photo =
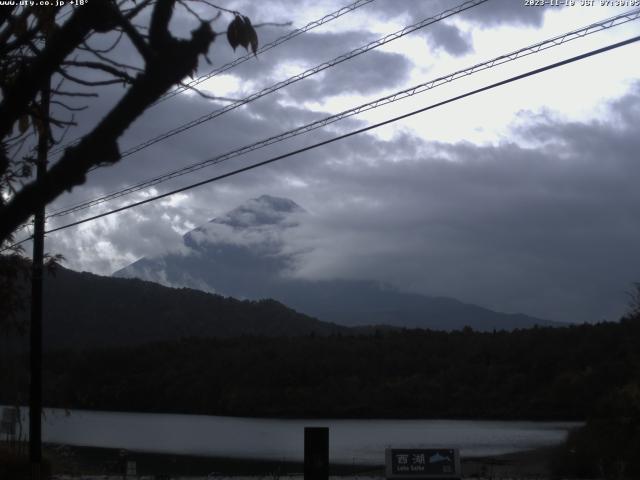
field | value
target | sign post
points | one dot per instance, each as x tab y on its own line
423	463
316	453
9	421
131	468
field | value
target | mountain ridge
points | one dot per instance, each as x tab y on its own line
244	254
84	310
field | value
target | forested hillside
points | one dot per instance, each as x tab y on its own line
83	310
541	373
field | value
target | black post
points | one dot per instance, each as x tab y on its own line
316	453
35	393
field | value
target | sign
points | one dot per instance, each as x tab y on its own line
427	463
9	420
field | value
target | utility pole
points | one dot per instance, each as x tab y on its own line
35	364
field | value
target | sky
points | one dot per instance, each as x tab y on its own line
520	199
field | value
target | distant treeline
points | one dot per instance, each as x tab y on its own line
540	373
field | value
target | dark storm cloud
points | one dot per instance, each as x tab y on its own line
508	12
363	75
316	47
374	70
449	38
550	231
489	14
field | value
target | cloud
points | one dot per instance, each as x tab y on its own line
490	14
550	230
369	73
544	222
450	39
508	12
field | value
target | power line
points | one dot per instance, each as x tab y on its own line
355	132
342	58
310	26
341	137
312	71
289	36
400	95
307	73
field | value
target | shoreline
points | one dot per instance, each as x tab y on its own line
72	460
320	418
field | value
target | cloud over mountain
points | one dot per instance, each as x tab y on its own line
250	252
523	199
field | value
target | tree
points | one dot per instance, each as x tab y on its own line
38	43
634	303
41	47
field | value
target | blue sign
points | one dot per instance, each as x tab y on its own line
428	463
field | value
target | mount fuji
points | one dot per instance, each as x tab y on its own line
245	254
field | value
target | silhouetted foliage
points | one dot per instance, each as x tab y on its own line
14	272
542	373
241	32
39	43
42	45
608	446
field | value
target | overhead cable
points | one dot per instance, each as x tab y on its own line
307	73
352	133
228	66
309	26
400	95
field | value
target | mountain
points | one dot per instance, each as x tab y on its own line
87	310
245	254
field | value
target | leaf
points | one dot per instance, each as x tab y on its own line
243	38
241	32
23	123
233	32
252	35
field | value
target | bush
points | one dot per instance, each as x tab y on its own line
609	444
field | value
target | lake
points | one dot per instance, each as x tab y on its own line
359	441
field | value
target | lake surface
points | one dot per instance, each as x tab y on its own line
359	441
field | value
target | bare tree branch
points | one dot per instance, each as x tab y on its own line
110	61
88	83
74	94
179	58
105	50
100	66
69	107
159	34
28	81
135	37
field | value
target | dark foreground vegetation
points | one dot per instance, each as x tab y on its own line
543	373
608	446
582	372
